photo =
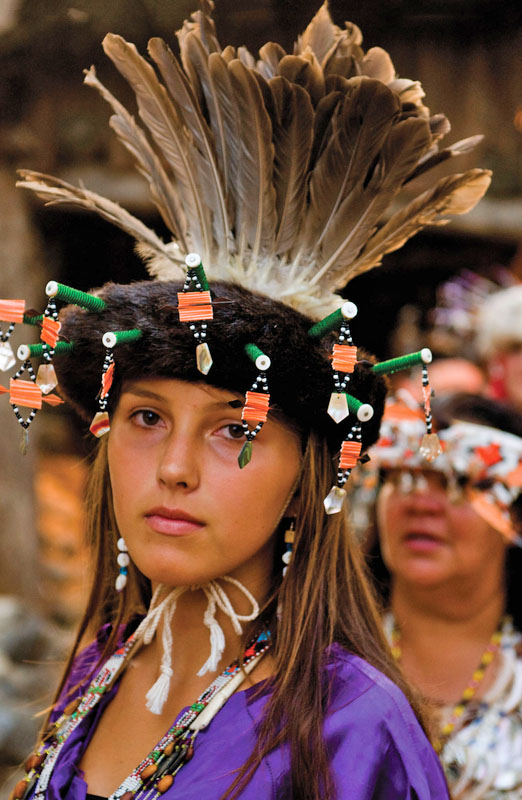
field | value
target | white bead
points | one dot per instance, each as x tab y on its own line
23	352
426	355
349	310
287	556
109	339
364	412
122	547
193	260
285	570
121	582
123	559
51	290
263	363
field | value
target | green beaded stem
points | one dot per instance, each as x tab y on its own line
253	352
127	336
32	320
89	301
397	364
353	404
202	278
36	350
330	323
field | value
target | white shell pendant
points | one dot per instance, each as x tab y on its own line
333	502
338	407
46	378
203	358
7	357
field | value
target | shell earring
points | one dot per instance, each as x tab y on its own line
289	544
123	563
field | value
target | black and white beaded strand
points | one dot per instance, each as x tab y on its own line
25	423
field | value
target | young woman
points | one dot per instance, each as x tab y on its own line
449	572
277	172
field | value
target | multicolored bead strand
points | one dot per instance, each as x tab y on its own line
156	773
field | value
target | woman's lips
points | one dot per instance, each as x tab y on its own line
423	542
172	522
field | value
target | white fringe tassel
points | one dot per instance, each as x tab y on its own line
217	598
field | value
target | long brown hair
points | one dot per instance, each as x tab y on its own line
325	598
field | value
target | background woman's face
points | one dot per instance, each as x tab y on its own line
185	509
427	540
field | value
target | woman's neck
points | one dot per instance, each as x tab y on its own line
443	635
191	636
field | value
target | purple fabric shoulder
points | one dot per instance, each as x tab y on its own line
376	745
376	748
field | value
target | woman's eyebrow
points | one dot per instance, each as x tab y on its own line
130	389
142	392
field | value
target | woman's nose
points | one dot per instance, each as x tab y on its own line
424	497
178	462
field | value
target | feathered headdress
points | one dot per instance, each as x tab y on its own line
279	171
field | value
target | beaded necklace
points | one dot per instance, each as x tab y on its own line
471	689
156	773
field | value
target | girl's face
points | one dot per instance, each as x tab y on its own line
427	539
186	510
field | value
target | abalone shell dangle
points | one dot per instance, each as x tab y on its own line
348	457
100	424
430	446
195	307
257	402
344	356
46	375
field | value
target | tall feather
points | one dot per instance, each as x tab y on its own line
200	61
456	194
360	128
306	72
320	36
133	138
457	149
189	111
292	136
56	191
362	209
253	165
269	57
279	171
158	113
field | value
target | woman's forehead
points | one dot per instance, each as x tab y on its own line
167	389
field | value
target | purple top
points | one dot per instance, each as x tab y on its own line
377	749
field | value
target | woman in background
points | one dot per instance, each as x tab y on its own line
446	563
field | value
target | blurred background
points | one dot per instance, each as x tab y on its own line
468	56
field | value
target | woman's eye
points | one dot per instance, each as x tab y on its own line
146	418
233	431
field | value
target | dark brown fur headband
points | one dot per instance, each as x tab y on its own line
300	377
